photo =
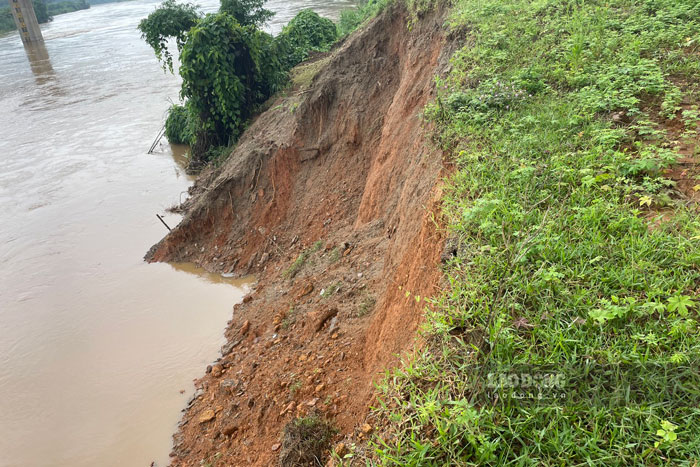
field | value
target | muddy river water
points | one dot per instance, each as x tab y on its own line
97	349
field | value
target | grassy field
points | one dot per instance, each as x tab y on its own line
568	333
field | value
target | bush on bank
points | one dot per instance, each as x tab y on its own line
228	65
227	71
307	32
179	127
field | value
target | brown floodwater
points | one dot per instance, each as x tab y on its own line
96	346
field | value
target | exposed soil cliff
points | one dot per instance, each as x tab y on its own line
330	199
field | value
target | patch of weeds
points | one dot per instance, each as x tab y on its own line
335	255
294	387
305	441
366	306
296	266
290	318
302	75
691	117
331	289
301	260
217	155
211	461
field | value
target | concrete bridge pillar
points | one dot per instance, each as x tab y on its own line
25	19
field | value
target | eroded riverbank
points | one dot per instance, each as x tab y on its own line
333	207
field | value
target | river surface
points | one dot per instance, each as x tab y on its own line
98	349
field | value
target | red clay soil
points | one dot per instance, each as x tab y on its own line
329	199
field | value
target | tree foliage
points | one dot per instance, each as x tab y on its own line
226	72
228	65
247	12
179	126
169	20
41	11
59	8
305	33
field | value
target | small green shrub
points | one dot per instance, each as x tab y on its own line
307	32
179	127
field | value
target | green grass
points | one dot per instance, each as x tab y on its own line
564	268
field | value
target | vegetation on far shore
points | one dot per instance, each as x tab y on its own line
568	330
44	10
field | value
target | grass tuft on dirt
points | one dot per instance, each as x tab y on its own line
568	334
305	440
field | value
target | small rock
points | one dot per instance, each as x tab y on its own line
245	328
312	402
275	446
247	299
229	430
333	326
229	385
306	290
206	416
334	335
323	316
216	370
208	369
367	428
341	449
290	408
320	388
228	348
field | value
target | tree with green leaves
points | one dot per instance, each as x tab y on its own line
228	65
41	11
247	12
226	73
305	33
169	20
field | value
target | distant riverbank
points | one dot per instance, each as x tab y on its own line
46	10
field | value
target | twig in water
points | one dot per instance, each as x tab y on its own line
166	225
161	133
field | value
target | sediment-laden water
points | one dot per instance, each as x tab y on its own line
97	347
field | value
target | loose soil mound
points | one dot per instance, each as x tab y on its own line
330	199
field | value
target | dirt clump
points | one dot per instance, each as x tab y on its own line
330	199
